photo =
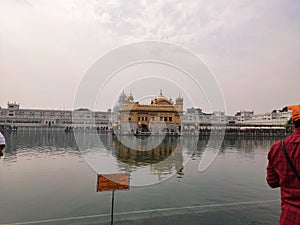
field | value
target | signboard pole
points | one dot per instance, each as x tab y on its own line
112	207
112	182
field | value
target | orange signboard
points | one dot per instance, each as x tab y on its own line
110	182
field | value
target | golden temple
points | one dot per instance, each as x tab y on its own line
160	116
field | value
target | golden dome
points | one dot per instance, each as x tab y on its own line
161	100
179	97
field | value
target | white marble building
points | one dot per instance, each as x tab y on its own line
13	115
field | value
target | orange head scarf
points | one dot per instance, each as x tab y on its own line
296	112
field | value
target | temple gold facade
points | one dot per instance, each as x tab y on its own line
161	115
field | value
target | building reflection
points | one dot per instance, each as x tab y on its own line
36	142
165	158
246	147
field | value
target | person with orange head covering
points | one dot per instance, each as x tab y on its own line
284	171
295	112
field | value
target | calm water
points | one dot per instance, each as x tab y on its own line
46	180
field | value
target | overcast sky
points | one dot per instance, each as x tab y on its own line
251	46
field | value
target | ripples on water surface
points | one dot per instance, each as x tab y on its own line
46	180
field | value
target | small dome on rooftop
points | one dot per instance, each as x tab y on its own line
161	100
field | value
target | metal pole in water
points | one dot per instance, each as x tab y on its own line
112	207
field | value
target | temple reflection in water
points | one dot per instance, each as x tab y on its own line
115	155
166	157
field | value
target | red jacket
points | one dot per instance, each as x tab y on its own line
280	174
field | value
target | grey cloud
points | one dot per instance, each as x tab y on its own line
252	46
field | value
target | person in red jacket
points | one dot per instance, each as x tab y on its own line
284	171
